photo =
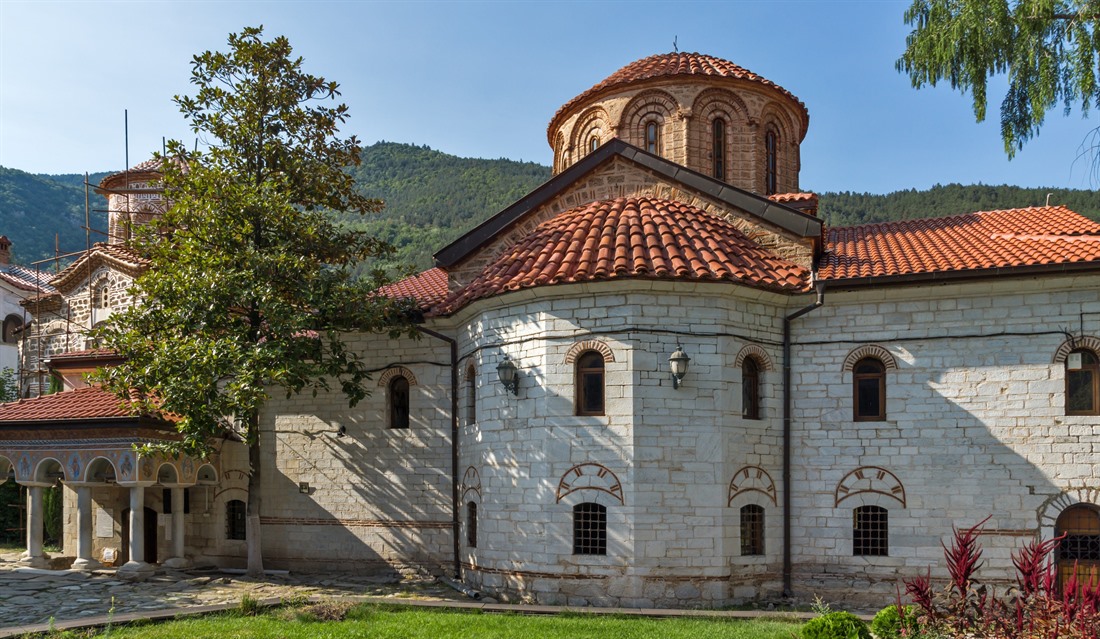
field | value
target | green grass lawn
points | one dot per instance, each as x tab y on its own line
371	622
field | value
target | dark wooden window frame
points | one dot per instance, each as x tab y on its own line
471	524
750	388
718	148
397	396
589	529
861	374
652	132
471	397
586	367
771	162
1091	368
235	527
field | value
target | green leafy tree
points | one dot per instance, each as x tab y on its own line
1047	48
249	288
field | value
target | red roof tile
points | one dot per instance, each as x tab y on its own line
121	254
672	64
793	197
631	238
992	239
427	288
90	402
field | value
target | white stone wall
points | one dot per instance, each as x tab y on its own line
673	537
378	498
975	427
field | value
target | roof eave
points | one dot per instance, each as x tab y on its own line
777	214
961	275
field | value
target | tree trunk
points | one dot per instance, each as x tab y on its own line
252	509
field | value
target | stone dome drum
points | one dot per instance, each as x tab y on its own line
699	111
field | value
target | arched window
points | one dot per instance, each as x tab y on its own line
870	532
101	296
471	397
11	325
1082	383
750	388
653	137
471	525
590	384
752	530
234	519
399	402
593	141
771	162
718	148
1080	550
589	529
869	390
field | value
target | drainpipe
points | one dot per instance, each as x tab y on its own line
787	433
454	444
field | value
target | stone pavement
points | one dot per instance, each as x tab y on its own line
30	596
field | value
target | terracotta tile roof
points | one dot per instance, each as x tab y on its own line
992	239
120	254
667	65
631	238
793	197
86	354
25	279
139	172
90	402
427	288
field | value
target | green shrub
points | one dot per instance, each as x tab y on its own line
836	625
888	623
249	606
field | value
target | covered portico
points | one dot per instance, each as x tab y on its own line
87	440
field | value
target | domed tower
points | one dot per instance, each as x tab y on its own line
133	197
701	112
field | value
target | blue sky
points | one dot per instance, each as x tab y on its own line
483	79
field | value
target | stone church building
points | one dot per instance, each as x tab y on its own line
656	380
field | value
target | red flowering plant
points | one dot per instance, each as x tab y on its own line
1037	607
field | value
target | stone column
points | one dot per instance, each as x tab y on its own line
178	558
84	559
136	569
34	557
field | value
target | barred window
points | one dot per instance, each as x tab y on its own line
234	519
471	397
1082	383
471	525
589	529
752	530
870	532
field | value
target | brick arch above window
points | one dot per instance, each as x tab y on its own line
1070	496
653	101
396	371
757	353
751	479
589	345
594	119
874	480
471	484
470	372
1075	343
710	103
870	350
589	478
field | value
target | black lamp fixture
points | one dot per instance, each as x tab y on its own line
509	375
678	364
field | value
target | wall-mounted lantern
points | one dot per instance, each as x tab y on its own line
509	375
678	365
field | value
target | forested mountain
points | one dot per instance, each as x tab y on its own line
432	198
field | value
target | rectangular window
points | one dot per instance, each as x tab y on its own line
1079	392
752	530
870	532
589	529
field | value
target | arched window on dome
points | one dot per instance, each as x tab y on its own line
653	137
771	162
593	140
718	148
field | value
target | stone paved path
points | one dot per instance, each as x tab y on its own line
30	596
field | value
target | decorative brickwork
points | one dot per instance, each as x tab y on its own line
759	354
869	479
590	476
471	483
751	479
1072	344
589	345
395	371
871	350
